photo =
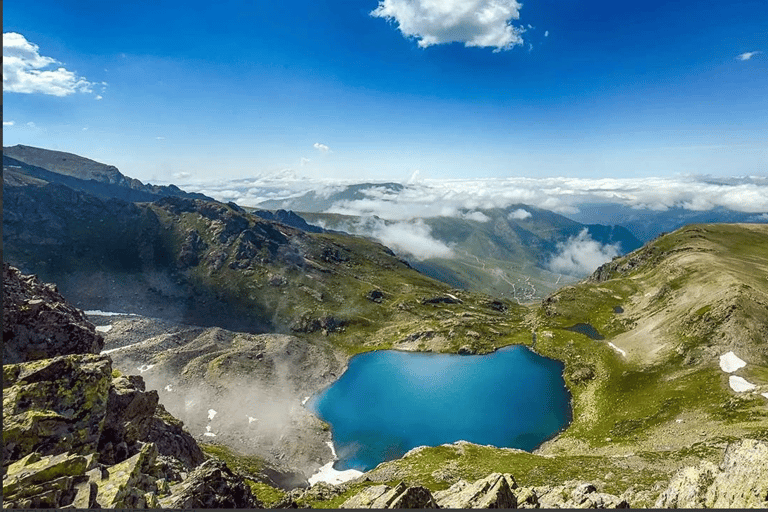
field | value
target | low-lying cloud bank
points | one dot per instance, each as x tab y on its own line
433	198
581	255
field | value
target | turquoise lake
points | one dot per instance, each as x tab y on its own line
388	402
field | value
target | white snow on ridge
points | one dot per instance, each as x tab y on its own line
104	328
740	385
104	313
730	362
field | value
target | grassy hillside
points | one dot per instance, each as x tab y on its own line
674	307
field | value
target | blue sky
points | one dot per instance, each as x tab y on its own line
170	91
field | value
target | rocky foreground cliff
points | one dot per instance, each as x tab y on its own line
77	433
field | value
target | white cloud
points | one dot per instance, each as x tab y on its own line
23	70
546	33
304	161
747	55
99	97
181	175
581	255
519	214
483	23
31	124
409	238
426	198
8	123
321	147
159	138
475	216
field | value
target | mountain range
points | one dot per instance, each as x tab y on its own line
663	348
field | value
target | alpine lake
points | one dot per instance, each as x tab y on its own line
388	402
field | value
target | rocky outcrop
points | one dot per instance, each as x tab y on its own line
38	323
211	485
577	495
384	496
741	481
493	491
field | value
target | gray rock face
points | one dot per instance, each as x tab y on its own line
741	481
38	323
493	491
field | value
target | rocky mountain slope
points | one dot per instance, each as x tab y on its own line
77	433
206	263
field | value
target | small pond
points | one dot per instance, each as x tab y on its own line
388	402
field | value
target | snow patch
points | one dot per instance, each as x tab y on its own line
104	328
730	362
109	351
104	313
208	432
617	349
765	395
333	476
145	367
740	385
251	419
211	414
306	398
168	388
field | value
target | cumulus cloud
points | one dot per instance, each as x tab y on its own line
407	238
580	255
747	55
519	214
24	70
321	147
8	123
475	216
304	161
411	238
482	23
546	33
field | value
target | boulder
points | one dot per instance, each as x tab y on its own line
55	405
